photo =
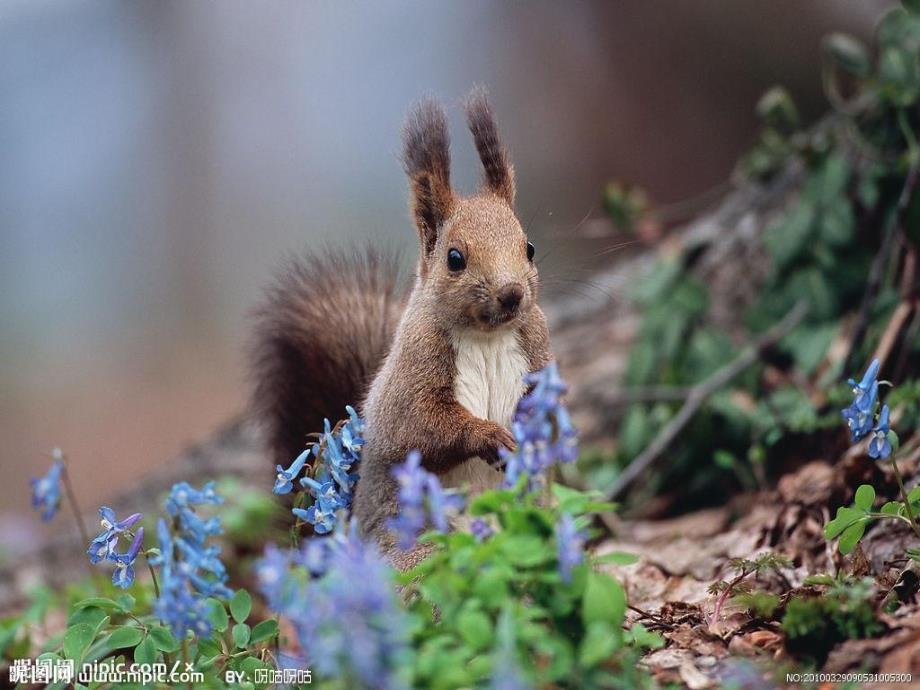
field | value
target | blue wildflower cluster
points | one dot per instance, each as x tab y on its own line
335	456
542	428
104	546
190	567
422	501
46	491
570	546
860	415
339	595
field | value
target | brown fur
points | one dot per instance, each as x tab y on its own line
322	333
328	324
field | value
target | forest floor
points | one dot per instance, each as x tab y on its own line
680	559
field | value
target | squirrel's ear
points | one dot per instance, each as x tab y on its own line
426	155
499	173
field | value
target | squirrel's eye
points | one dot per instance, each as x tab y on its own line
530	251
455	260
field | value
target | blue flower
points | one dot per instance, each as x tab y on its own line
879	445
46	491
506	671
190	567
272	576
570	544
183	495
421	501
542	428
103	546
481	529
124	562
332	479
314	556
284	481
323	521
348	620
860	413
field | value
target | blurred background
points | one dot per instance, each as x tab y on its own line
160	158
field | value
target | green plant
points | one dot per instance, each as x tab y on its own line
572	630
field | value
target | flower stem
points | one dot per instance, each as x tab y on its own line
74	505
910	511
185	660
78	515
153	574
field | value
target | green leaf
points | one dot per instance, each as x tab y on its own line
598	644
891	508
125	636
526	550
893	440
146	651
604	600
240	605
77	640
126	602
217	615
208	646
777	109
849	53
264	630
163	638
851	536
788	237
99	602
865	497
90	615
249	665
617	558
914	494
241	633
845	517
645	639
475	628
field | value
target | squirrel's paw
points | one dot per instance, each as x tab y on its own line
495	436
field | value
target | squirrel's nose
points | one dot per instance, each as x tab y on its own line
510	296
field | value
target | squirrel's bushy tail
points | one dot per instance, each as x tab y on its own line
323	330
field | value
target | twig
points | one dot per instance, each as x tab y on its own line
892	330
700	392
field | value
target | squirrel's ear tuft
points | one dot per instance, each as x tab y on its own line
499	173
426	156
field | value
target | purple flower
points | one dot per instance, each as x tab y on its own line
103	546
123	576
421	500
879	445
570	544
861	411
543	430
481	529
46	491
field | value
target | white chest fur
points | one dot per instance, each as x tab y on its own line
489	383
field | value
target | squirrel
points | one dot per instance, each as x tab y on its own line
440	370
